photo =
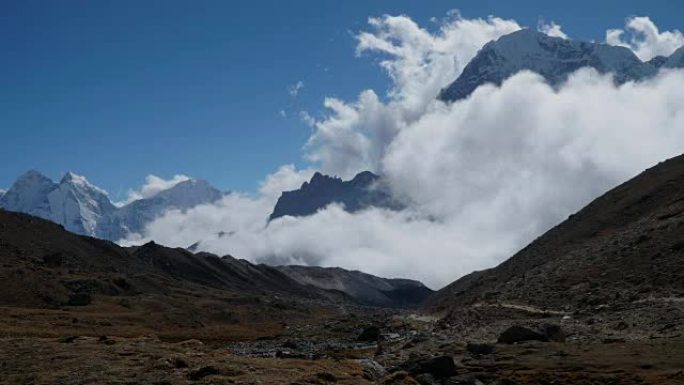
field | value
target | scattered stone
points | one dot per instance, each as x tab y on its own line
202	372
372	370
517	333
480	349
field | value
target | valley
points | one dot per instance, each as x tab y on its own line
182	283
153	314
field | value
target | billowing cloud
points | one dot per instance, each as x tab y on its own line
419	63
153	185
642	36
482	176
552	29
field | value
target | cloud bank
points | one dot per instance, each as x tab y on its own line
483	176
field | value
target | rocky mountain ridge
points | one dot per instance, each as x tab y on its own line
619	259
363	191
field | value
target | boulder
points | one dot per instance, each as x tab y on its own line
517	333
370	334
425	379
553	332
372	370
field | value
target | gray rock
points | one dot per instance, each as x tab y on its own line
517	333
372	370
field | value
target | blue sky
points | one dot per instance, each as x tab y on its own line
119	90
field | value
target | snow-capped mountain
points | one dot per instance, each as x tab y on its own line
84	208
78	205
133	217
29	194
73	202
552	57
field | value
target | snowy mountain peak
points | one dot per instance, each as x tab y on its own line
552	57
81	182
83	208
29	194
78	205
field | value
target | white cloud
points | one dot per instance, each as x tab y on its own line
419	64
307	118
552	29
483	176
642	36
153	185
285	179
294	89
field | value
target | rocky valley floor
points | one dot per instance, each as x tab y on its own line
345	346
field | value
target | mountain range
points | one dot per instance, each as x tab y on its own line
86	209
554	58
83	208
598	299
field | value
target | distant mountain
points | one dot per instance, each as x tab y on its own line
363	191
85	209
553	58
133	217
625	250
97	267
55	265
29	194
73	202
364	288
